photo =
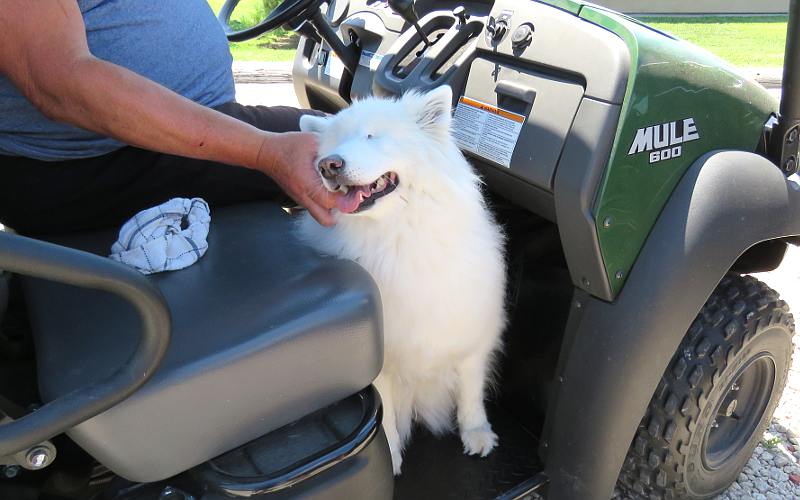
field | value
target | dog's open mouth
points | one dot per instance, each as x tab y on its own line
359	198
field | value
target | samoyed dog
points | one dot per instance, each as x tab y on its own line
413	215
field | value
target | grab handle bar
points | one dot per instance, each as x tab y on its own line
39	259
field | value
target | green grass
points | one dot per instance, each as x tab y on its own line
276	45
253	52
756	41
772	442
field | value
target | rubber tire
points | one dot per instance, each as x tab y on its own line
742	318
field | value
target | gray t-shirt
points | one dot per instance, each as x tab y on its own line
177	43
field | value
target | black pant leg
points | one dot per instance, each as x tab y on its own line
271	118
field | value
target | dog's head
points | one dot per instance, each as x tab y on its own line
377	152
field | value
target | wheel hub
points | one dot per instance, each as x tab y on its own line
739	411
730	409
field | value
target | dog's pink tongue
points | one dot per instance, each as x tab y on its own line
350	202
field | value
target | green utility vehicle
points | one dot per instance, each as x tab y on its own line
639	180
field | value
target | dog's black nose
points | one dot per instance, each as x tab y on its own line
329	165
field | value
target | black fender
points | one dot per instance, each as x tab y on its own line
614	353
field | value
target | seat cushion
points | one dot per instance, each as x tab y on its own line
264	331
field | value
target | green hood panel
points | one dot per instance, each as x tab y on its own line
568	5
671	81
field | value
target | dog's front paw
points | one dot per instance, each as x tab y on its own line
397	462
397	455
479	441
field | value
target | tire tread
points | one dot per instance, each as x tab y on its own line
737	311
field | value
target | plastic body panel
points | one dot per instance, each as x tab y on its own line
548	117
367	476
427	73
378	30
264	331
614	353
670	81
374	38
579	172
87	273
340	448
313	86
563	44
572	6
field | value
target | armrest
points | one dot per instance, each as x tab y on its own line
48	261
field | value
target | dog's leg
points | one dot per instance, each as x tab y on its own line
476	433
403	401
384	385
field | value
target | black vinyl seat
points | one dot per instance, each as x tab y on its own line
264	331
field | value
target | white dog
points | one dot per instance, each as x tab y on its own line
414	217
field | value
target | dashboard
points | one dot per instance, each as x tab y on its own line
526	78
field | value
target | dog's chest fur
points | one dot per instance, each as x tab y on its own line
439	268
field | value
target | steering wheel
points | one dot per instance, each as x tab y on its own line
287	11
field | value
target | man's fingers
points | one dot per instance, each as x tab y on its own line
318	192
321	215
325	198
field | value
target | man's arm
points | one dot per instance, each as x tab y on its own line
44	52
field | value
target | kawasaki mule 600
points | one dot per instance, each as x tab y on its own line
638	179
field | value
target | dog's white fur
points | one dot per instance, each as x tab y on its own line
436	254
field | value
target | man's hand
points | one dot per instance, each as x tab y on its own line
55	70
291	162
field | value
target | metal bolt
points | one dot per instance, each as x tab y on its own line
11	471
578	304
792	136
607	222
560	379
731	408
790	165
39	457
735	387
619	275
714	424
586	282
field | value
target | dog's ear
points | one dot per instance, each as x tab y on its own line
312	123
434	110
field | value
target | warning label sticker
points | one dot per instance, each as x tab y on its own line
486	131
370	59
334	67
